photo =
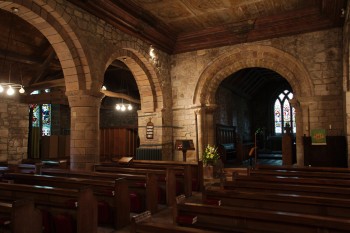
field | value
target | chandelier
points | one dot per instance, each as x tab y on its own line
9	86
122	107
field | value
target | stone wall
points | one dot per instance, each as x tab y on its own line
318	52
14	118
86	46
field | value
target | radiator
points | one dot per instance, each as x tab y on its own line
148	154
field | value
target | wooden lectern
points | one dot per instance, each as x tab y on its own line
184	145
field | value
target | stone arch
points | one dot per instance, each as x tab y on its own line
51	21
247	56
146	77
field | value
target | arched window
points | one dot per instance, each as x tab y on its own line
284	113
41	116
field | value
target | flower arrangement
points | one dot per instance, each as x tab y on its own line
210	155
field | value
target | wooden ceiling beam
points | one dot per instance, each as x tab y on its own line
46	98
121	96
128	20
46	85
44	67
15	57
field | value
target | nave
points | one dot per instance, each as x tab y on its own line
263	198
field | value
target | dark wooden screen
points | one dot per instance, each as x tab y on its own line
117	143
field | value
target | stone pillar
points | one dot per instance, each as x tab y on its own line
303	128
210	126
199	134
85	131
347	122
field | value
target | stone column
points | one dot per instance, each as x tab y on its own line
199	134
210	126
85	130
347	122
306	123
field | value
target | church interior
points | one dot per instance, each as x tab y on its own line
174	115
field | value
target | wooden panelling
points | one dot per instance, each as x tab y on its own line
117	143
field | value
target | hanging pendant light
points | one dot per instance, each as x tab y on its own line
11	87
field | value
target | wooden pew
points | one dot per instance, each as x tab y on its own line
298	189
116	192
300	173
142	223
226	219
191	170
22	216
325	206
302	168
168	176
145	182
183	172
80	203
294	180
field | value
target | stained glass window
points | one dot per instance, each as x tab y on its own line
284	113
41	116
46	119
278	118
36	115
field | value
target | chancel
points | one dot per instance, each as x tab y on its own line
107	108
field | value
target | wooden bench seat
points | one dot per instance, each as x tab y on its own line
294	180
292	188
302	168
20	216
115	193
183	171
193	169
309	174
324	206
144	183
168	176
224	218
142	223
79	204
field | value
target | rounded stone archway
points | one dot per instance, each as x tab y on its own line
146	78
151	88
64	41
58	28
247	56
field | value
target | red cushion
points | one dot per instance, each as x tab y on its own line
212	202
104	213
136	203
47	221
72	204
161	195
140	184
195	185
64	223
186	219
179	187
162	178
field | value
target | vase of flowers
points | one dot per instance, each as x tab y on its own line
210	157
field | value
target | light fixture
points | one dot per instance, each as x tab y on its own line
123	107
154	58
11	87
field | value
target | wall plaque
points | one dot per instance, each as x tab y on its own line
149	130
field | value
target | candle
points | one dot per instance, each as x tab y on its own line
330	126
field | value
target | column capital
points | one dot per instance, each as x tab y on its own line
84	98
